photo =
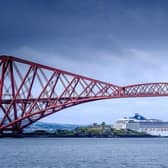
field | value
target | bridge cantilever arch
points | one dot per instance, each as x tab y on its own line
30	91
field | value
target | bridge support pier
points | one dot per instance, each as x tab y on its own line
1	133
17	133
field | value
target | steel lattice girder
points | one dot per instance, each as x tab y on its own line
31	91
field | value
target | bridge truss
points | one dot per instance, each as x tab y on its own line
30	91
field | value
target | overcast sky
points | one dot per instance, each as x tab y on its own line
119	41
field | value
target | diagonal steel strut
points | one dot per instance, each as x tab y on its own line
30	91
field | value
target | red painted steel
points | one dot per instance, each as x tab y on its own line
30	91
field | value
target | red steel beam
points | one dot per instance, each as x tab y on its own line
30	91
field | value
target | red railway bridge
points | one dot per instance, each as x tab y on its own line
30	91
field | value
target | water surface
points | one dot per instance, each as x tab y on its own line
83	153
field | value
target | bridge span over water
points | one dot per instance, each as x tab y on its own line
30	91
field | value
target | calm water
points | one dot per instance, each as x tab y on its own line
83	153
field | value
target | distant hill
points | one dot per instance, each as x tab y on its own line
50	127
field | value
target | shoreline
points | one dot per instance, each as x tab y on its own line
61	136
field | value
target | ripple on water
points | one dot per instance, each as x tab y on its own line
84	153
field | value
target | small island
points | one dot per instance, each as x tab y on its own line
92	131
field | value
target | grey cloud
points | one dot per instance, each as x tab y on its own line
63	25
118	41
